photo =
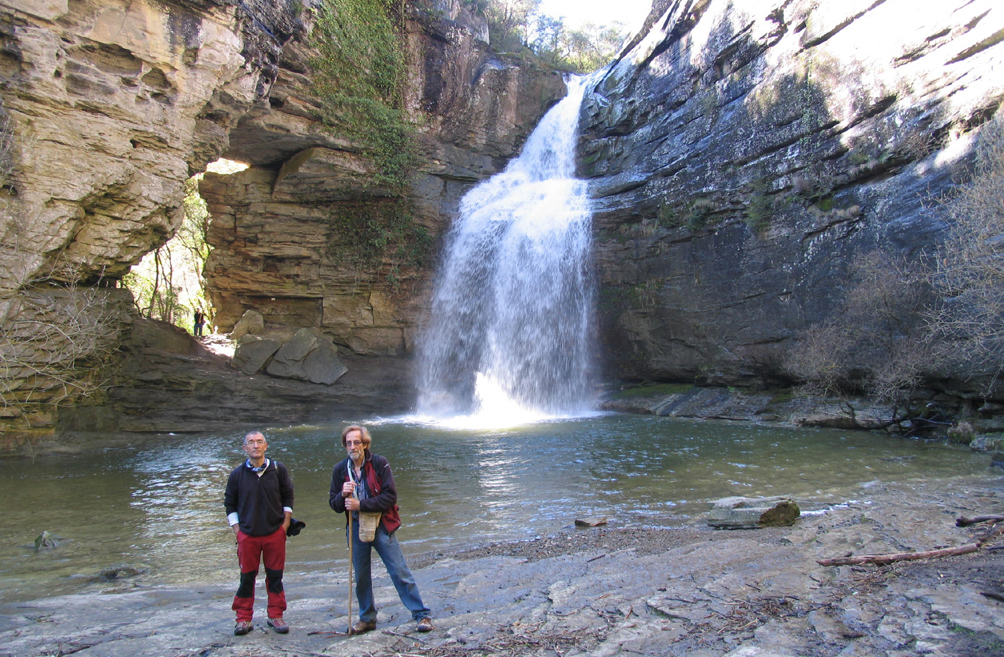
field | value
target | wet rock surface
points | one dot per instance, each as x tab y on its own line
168	381
687	590
743	156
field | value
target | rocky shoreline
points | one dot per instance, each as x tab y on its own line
984	427
687	590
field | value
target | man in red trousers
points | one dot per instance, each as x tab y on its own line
259	504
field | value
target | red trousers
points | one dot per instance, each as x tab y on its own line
251	550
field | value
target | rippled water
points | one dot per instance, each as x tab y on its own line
160	506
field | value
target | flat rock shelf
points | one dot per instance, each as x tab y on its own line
607	590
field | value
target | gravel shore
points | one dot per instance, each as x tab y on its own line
609	591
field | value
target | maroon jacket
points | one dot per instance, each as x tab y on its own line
379	481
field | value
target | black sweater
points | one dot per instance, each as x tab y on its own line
258	501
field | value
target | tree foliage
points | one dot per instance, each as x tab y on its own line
969	264
876	344
519	26
168	284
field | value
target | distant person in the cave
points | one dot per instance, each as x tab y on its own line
363	484
259	504
200	320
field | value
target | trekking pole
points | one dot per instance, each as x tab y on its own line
348	515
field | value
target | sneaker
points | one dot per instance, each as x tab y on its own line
278	625
242	628
425	624
362	627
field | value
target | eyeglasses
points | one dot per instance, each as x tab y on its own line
350	443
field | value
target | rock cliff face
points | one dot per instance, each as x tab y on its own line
292	233
108	108
744	156
114	105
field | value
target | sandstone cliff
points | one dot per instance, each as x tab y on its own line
744	156
114	105
108	108
299	236
743	159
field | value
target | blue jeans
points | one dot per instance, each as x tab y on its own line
390	552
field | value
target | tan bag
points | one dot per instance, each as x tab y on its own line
368	523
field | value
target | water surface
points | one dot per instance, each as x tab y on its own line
159	506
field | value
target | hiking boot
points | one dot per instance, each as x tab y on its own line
362	627
278	625
242	628
425	624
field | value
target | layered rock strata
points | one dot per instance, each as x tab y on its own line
745	157
294	234
167	381
108	108
114	105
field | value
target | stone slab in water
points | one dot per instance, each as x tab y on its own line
750	513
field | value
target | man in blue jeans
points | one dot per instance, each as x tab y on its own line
363	482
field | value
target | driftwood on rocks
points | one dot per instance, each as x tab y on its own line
963	521
884	559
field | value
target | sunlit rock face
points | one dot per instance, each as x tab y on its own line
289	231
114	104
744	155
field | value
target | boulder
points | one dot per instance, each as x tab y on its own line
253	352
594	521
322	364
753	512
288	361
251	322
308	356
113	573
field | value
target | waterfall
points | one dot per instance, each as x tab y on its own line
510	328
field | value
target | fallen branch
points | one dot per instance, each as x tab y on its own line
883	559
963	521
990	535
329	633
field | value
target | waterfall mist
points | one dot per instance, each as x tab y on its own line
511	323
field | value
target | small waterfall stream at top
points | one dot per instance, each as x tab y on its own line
511	322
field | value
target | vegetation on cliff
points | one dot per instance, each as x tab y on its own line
167	284
358	75
968	273
54	336
519	26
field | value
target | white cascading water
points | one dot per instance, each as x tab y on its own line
511	320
